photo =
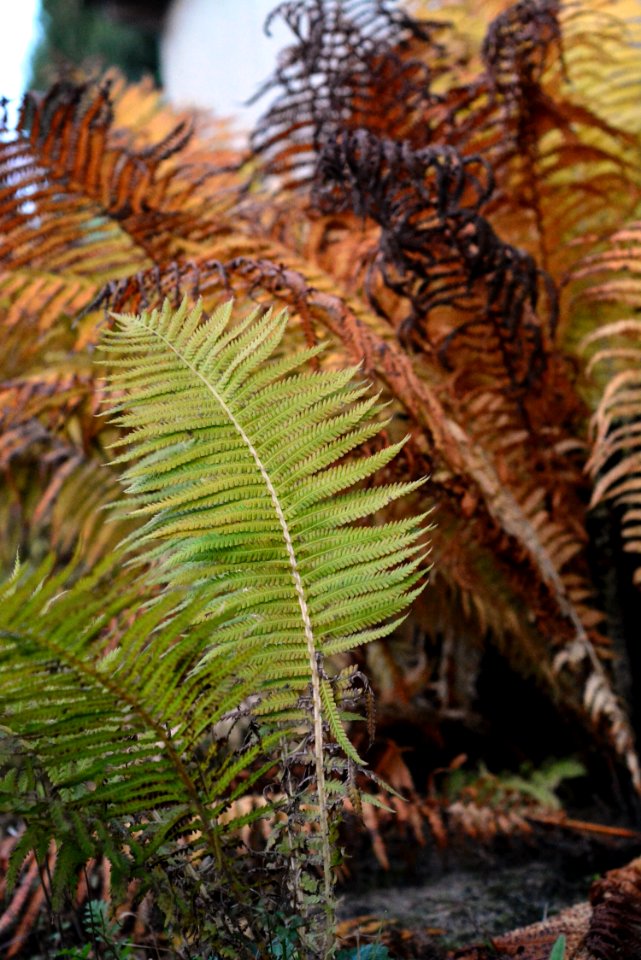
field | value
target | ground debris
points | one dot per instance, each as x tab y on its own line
608	927
605	927
535	942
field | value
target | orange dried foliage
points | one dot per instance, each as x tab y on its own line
417	214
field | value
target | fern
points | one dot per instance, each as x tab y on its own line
515	155
454	224
115	184
480	377
614	354
252	568
615	463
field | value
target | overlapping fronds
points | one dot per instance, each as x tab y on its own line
484	591
467	575
472	806
351	65
548	143
471	293
64	166
96	182
515	103
434	250
102	718
438	187
455	230
57	652
113	696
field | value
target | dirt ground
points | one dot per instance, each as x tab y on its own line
467	896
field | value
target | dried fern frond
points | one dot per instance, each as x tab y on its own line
64	166
548	144
436	250
615	462
352	65
514	103
559	169
92	175
601	58
608	285
605	928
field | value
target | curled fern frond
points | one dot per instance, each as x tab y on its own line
437	250
517	46
351	64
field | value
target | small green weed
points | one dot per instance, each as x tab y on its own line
558	950
103	936
371	951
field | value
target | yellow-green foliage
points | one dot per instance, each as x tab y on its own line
252	566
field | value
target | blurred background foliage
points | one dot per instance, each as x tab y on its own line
92	35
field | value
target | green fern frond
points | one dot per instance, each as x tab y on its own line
243	472
252	566
243	465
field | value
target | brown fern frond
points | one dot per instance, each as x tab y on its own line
79	195
47	439
97	181
436	250
23	912
606	928
615	925
517	46
520	111
546	129
536	941
485	808
352	65
609	282
615	463
32	304
602	61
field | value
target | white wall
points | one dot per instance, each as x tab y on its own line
215	54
